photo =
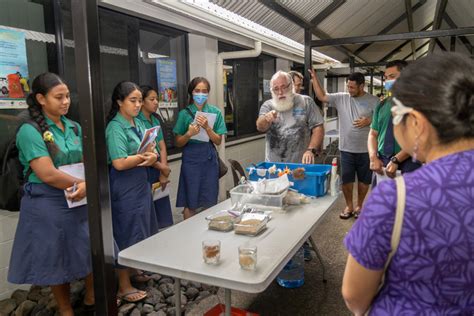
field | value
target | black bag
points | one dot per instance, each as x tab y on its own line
11	174
222	166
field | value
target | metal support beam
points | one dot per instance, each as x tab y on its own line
283	11
440	44
410	24
85	23
326	12
418	49
452	46
399	47
453	25
439	12
393	37
394	23
59	36
307	60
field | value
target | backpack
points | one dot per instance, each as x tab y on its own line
11	173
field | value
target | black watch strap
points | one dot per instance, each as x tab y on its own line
394	159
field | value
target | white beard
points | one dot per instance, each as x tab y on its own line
283	104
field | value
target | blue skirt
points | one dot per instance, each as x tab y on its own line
199	177
163	210
51	243
133	215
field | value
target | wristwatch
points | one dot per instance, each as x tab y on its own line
313	150
395	160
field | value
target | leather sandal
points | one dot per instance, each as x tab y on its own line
346	214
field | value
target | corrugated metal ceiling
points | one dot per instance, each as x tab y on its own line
355	18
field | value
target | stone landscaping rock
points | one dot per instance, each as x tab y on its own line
166	280
155	277
39	301
167	289
192	292
25	308
7	306
19	296
135	312
203	295
147	308
125	309
154	296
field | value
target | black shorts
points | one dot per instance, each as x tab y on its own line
352	163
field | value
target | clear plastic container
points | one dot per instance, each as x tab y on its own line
222	221
251	224
242	194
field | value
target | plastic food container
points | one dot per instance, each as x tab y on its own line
222	221
314	183
251	224
241	194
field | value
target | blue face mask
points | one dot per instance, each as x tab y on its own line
200	98
388	84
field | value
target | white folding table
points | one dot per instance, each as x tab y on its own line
177	251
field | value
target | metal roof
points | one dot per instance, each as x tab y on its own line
348	18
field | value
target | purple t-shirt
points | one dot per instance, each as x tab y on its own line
432	272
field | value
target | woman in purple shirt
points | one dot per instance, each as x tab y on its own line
432	271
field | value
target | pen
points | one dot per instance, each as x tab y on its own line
74	187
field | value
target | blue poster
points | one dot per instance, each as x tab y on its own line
13	70
167	83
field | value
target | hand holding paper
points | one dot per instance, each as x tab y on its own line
76	198
210	119
148	138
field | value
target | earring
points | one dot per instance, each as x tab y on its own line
415	151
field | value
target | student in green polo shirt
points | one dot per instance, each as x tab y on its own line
199	177
51	245
160	171
384	151
133	214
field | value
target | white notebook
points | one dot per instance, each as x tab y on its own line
77	171
211	119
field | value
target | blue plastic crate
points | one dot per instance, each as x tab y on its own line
316	179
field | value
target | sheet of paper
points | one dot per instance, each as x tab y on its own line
160	193
384	177
149	137
77	171
211	119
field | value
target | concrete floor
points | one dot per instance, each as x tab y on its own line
314	297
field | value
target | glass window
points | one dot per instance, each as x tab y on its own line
246	87
25	16
162	61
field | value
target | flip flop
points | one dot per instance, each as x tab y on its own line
346	215
357	213
127	297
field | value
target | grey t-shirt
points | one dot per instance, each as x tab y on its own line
349	109
289	135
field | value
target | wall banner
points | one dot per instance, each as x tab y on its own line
13	70
167	83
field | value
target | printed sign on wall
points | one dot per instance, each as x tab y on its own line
13	70
167	83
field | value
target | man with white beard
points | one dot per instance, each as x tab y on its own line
293	123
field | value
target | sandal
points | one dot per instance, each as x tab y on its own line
357	213
128	297
140	277
346	214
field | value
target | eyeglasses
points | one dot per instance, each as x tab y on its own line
283	89
398	111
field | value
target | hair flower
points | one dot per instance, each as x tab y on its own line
399	110
48	137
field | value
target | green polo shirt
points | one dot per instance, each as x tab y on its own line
380	119
149	124
31	145
121	140
184	119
